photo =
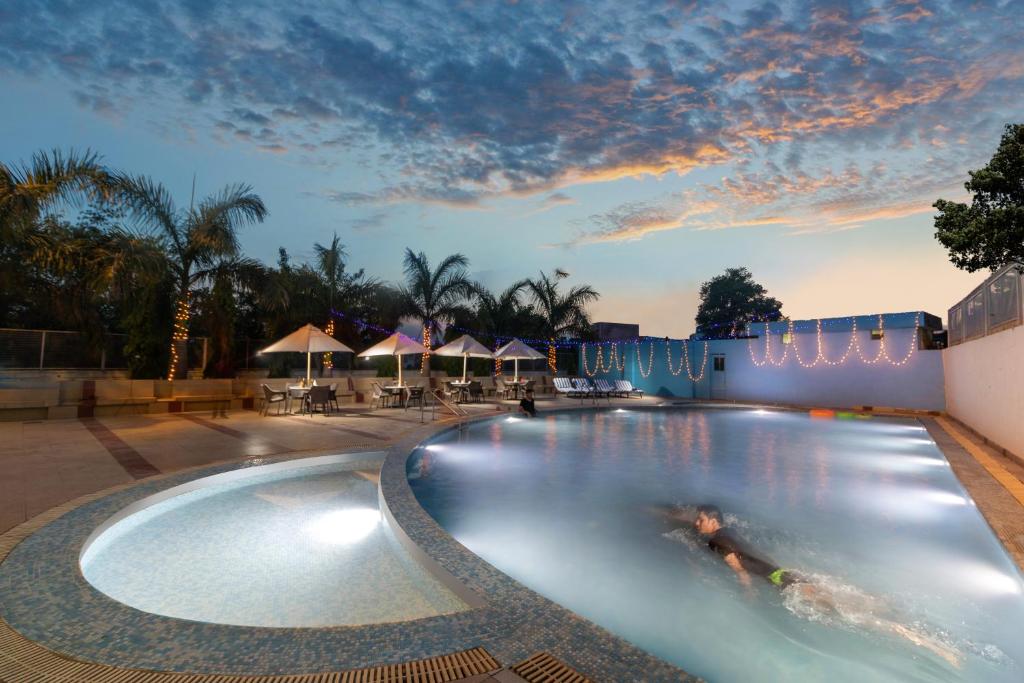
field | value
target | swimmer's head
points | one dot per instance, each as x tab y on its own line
709	519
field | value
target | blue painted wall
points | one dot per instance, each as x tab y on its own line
917	383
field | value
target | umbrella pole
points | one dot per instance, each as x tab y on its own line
309	365
516	379
465	358
399	359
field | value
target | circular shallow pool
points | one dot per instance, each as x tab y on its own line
300	543
584	508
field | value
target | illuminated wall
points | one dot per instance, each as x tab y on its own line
985	384
851	370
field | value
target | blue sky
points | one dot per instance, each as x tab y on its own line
643	147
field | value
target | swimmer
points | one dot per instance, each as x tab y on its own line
746	563
527	406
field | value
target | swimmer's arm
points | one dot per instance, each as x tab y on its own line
733	560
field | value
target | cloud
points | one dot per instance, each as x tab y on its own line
461	103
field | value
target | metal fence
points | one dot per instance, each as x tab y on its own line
57	350
61	350
997	304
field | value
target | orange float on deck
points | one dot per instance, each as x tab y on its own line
823	412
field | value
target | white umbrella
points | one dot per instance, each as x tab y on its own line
464	346
396	345
308	340
515	350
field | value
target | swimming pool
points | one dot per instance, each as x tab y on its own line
296	544
572	506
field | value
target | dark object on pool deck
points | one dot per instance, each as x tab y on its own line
542	667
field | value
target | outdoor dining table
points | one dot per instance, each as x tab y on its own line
516	386
463	388
295	391
399	390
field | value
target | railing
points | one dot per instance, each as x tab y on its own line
57	350
993	306
63	350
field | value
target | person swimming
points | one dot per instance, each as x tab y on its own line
855	607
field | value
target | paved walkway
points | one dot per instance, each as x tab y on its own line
47	463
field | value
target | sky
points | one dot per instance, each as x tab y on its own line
643	147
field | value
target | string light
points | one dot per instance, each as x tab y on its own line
703	363
425	360
180	334
650	361
329	357
498	361
820	358
552	357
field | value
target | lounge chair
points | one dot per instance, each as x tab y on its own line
604	387
272	396
627	388
564	386
582	387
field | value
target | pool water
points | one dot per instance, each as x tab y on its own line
573	505
290	548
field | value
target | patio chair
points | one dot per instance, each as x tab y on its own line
500	388
476	391
530	383
415	396
380	397
272	396
450	392
319	395
333	397
625	386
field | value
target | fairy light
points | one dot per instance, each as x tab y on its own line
180	334
552	357
618	361
426	344
650	361
703	362
853	346
329	357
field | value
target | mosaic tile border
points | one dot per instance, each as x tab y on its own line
508	619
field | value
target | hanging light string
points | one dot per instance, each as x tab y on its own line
703	362
820	358
180	334
650	361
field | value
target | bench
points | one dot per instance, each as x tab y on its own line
114	395
28	403
198	394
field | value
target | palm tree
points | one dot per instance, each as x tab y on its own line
499	315
196	240
561	314
50	179
435	296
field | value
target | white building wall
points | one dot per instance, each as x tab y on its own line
985	386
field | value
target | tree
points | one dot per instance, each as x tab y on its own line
729	302
990	232
500	315
560	314
435	296
195	240
51	179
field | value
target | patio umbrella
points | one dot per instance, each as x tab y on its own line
308	340
464	346
396	345
515	350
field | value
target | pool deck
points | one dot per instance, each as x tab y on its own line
54	468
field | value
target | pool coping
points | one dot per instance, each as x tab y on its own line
505	617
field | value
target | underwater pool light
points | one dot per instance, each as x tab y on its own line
342	527
512	419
